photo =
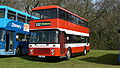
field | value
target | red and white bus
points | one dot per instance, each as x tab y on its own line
58	33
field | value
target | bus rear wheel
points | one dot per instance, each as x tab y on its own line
85	51
68	56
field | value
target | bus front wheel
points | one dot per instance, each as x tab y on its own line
18	51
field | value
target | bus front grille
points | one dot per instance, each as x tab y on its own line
41	51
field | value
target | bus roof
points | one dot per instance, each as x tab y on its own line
55	6
18	11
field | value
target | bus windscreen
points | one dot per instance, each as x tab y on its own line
44	37
45	14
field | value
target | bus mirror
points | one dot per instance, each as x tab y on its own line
17	36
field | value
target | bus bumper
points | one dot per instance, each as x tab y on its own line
44	52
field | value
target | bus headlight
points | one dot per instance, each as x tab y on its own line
31	50
53	53
52	50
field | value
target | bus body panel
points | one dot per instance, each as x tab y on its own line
41	49
58	23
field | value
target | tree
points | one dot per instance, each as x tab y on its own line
103	17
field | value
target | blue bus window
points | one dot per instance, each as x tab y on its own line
28	19
21	37
2	35
21	18
2	13
11	15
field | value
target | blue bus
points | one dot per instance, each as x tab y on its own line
14	28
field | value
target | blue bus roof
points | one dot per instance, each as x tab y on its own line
18	11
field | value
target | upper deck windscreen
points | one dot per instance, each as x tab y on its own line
45	13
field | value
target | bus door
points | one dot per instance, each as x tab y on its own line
9	41
62	43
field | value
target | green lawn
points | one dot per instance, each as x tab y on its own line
94	59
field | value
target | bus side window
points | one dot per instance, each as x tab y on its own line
11	15
21	37
21	18
28	19
83	40
87	39
69	39
2	13
62	14
78	39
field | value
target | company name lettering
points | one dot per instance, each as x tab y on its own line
15	25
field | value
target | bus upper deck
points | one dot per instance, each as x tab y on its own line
56	17
8	14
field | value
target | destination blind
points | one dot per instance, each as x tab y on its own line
43	23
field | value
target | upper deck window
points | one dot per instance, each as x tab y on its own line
21	18
46	13
2	13
71	18
28	19
11	15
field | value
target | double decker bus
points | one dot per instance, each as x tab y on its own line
58	33
14	28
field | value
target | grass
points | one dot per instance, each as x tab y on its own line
94	59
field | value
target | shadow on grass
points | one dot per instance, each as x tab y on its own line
1	56
110	59
37	59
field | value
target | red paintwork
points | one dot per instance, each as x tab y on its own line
79	49
57	51
59	23
87	47
55	6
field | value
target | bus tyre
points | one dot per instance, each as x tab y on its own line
85	51
18	51
68	56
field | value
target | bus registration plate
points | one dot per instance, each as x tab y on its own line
40	56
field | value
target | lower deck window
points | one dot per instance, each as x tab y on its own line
21	37
2	35
76	39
